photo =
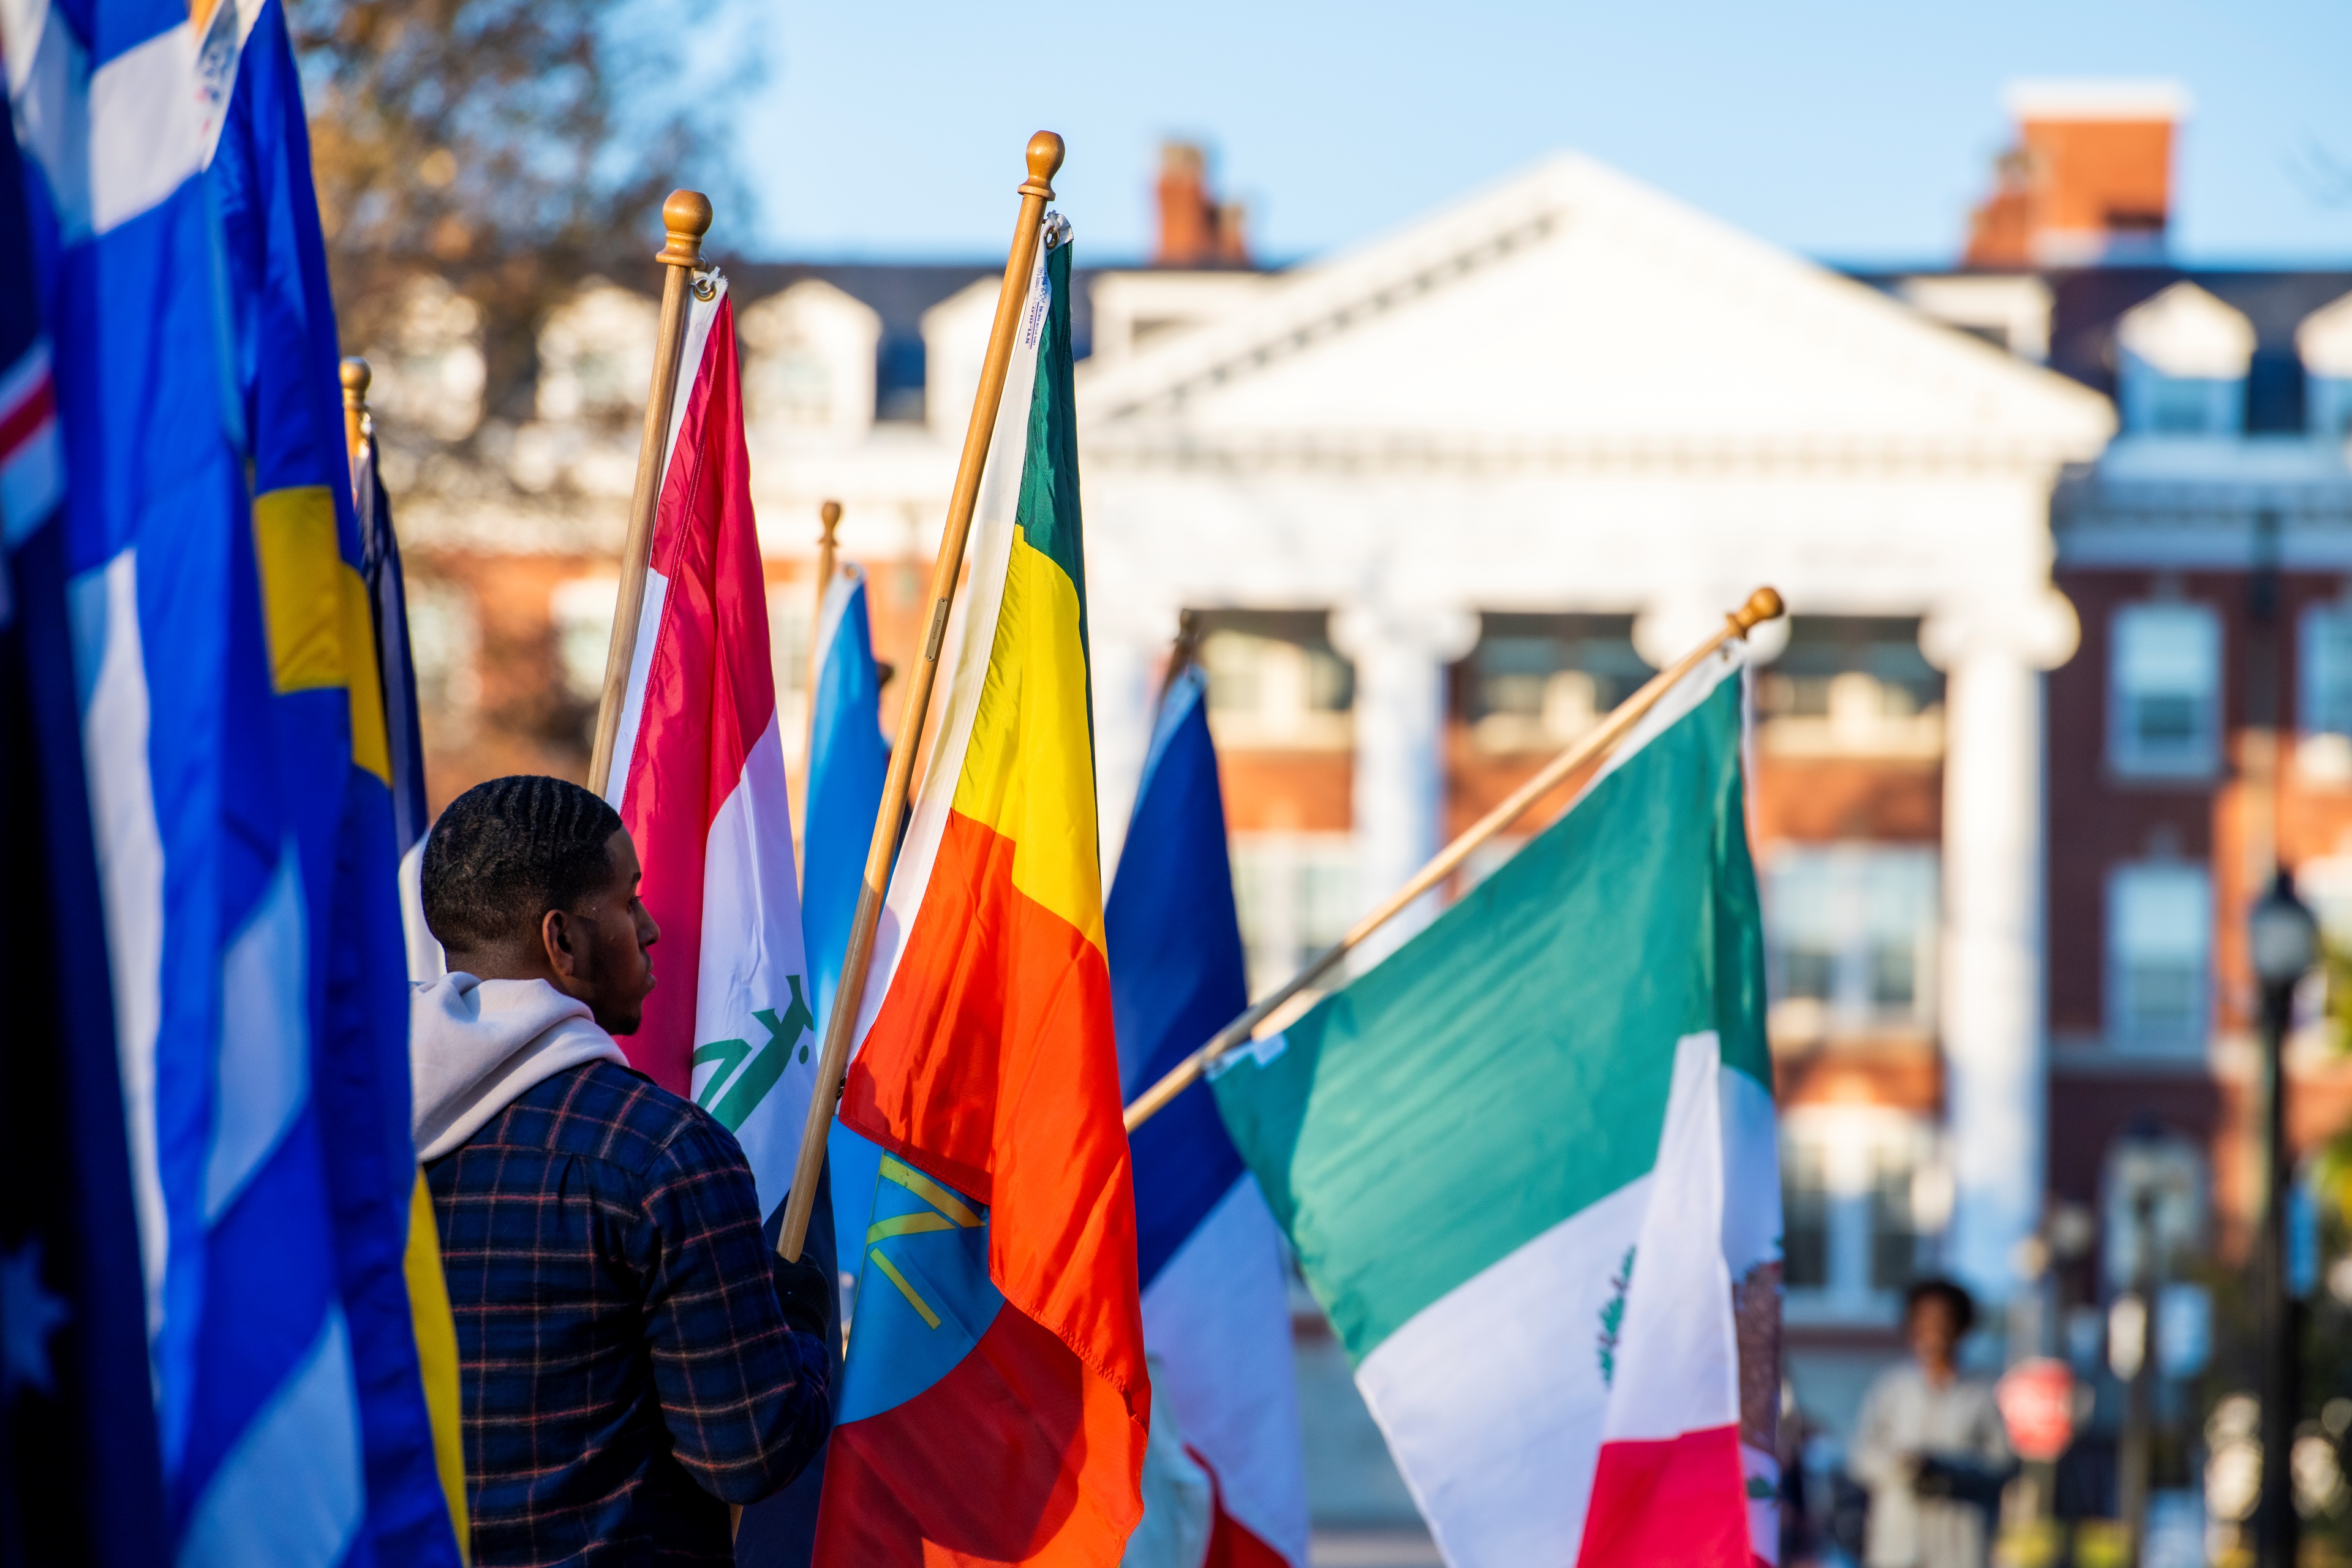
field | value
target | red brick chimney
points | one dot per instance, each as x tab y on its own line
1195	231
2089	180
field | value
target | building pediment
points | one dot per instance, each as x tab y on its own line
1571	314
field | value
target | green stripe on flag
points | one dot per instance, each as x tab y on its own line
1509	1066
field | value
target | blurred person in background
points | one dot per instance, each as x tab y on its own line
1929	1444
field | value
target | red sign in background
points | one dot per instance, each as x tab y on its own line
2037	1403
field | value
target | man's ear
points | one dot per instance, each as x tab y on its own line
560	942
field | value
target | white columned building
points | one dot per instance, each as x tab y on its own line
1570	409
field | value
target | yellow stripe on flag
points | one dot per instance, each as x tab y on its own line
322	631
436	1356
294	534
371	746
1029	769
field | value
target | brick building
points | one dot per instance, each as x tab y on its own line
2044	704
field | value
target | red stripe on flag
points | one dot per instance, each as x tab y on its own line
1017	1456
32	411
1675	1502
709	692
1231	1543
991	1065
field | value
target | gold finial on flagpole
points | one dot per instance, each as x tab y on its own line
1764	604
355	376
686	218
1044	160
829	518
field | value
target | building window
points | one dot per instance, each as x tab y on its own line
1275	681
1851	936
2159	955
2323	679
2156	404
1852	686
1863	1202
2164	691
1535	683
2328	400
1295	895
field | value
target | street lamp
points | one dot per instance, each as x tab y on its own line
2283	941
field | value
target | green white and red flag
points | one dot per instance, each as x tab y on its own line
1528	1165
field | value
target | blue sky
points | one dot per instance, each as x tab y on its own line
1853	132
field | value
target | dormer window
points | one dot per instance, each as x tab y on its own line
2324	342
810	359
2181	360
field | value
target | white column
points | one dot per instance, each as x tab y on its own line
1993	986
1400	653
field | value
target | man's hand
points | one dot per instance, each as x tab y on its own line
805	1289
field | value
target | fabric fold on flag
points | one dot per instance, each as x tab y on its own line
1216	1303
1560	1089
995	1402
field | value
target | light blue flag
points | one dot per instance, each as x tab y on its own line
847	759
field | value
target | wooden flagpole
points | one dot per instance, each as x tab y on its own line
686	217
356	376
1044	159
1762	605
829	515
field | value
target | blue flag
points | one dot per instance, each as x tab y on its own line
80	1480
848	760
335	757
1216	1312
387	587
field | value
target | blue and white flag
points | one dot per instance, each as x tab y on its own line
232	720
1216	1309
79	1474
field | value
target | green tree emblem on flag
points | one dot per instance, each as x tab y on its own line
746	1072
1612	1318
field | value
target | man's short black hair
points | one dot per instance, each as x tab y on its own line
507	851
1962	1305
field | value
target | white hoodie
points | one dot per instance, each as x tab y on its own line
475	1045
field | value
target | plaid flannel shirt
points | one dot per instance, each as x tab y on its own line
627	1371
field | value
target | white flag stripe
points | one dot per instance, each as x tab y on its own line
1217	1319
751	955
1678	1360
990	555
262	1075
309	1429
